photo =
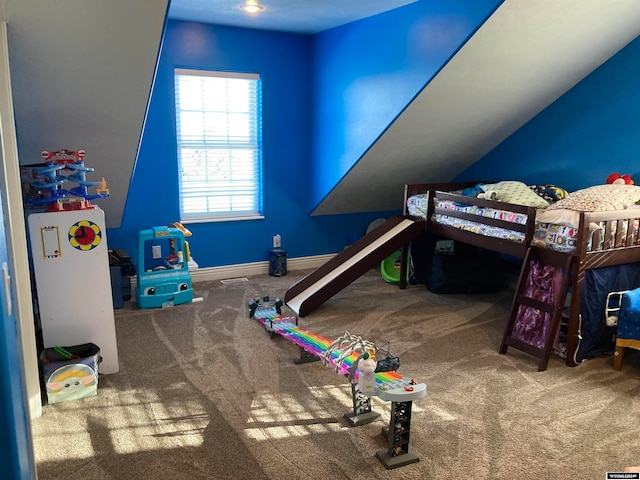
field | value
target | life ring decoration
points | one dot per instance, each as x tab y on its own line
85	235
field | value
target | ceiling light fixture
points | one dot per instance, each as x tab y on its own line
252	7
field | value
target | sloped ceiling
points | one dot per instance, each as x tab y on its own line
81	75
522	59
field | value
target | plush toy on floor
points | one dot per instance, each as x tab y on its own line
617	179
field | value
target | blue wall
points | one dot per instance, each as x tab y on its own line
327	97
321	93
591	131
367	72
284	63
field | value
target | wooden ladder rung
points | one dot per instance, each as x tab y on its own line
555	308
537	304
523	346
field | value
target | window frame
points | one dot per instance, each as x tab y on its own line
207	145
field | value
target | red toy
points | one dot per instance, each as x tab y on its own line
617	179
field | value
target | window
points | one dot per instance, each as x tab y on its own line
219	145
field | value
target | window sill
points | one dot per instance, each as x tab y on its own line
221	219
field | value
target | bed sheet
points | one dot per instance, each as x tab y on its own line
417	206
563	237
557	227
479	228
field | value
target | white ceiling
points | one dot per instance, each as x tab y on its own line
294	16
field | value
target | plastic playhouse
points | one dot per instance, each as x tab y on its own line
163	268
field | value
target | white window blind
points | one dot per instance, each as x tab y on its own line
219	145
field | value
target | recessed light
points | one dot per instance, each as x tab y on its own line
252	7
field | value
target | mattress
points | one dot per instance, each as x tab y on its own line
554	229
558	230
417	205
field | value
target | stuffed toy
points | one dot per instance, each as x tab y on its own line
617	179
489	195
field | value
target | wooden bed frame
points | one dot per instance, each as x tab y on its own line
623	249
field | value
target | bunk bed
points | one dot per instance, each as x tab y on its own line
597	240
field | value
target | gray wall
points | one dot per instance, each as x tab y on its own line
81	73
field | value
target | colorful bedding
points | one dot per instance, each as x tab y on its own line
514	192
479	228
563	238
557	227
417	206
556	224
518	193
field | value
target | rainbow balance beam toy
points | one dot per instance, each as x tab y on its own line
345	354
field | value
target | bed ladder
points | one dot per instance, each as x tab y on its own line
554	308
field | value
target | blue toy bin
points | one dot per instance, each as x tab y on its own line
390	267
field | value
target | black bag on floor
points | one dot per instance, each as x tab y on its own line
70	373
466	273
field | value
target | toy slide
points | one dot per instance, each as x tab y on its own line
358	258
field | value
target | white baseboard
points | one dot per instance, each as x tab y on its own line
255	268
